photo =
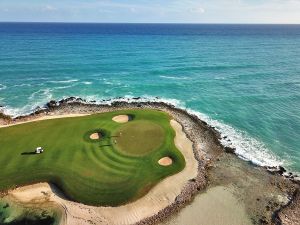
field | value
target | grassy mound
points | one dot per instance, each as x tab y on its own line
94	172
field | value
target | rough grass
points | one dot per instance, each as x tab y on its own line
91	172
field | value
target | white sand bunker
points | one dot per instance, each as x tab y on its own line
95	136
165	161
121	118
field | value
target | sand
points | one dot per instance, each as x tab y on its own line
216	206
47	117
165	161
95	136
121	118
159	197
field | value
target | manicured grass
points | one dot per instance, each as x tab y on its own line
139	137
94	172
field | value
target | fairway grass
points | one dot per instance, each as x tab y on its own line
109	171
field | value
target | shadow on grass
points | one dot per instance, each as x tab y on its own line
105	145
130	117
28	153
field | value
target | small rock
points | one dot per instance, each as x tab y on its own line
229	150
52	104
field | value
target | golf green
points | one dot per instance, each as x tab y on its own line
119	167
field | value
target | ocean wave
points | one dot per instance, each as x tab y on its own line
37	78
63	87
44	94
108	82
18	111
22	85
2	87
87	82
174	78
63	81
246	147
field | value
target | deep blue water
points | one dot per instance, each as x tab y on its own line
243	79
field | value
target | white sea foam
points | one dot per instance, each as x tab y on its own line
36	99
22	85
87	82
63	81
63	87
130	99
247	147
108	82
2	87
174	77
43	94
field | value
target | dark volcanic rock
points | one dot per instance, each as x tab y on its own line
52	104
5	117
229	150
276	169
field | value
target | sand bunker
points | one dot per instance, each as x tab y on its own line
121	118
46	117
165	161
95	136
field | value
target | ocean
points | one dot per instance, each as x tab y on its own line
242	79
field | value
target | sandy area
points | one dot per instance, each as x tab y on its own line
165	161
95	136
216	206
121	118
159	197
48	117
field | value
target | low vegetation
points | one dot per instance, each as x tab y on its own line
119	167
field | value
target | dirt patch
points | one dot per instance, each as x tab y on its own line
165	161
121	118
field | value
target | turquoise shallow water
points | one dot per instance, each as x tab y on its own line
243	79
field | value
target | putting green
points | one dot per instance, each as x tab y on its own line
94	172
138	138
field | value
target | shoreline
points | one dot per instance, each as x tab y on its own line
48	112
206	145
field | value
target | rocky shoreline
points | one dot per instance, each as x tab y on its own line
213	159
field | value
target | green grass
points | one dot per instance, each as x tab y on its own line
139	137
94	172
